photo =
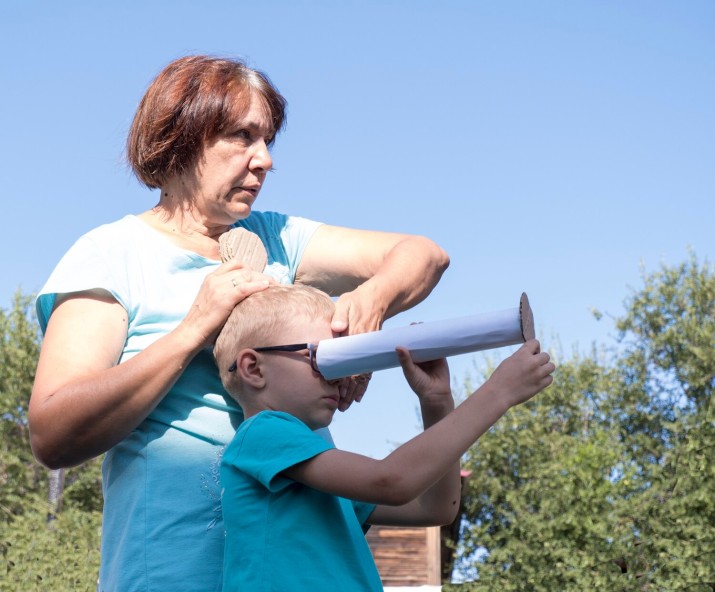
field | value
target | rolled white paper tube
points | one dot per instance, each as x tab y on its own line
368	352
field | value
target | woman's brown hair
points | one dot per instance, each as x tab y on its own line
191	102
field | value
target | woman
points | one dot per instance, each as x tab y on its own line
131	312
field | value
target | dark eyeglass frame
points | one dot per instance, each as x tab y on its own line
293	347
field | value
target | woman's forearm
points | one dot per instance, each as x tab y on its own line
376	274
93	412
405	275
409	272
83	402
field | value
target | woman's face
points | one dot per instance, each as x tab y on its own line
231	170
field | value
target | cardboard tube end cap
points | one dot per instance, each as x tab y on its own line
527	318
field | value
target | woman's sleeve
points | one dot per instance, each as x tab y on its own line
84	267
285	238
296	234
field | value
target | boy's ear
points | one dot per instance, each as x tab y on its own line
249	369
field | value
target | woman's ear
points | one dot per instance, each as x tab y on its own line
249	369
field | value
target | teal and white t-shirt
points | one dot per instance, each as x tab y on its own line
162	525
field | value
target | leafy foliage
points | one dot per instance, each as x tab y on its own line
19	347
605	480
37	553
59	555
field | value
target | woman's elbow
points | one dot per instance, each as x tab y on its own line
45	455
438	257
56	457
45	452
442	258
47	447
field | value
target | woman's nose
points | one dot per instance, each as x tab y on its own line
261	159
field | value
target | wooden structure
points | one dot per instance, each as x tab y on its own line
413	556
406	556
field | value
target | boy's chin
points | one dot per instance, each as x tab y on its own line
319	425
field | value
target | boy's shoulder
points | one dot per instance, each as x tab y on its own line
272	433
267	445
257	425
265	419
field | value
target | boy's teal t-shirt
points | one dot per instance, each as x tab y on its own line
282	535
162	524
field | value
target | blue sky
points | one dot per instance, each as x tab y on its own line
551	147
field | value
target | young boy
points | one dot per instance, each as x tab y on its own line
296	508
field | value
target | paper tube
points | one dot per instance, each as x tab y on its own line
368	352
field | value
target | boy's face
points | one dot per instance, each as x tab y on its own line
292	385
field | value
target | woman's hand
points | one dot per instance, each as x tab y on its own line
356	312
220	292
359	311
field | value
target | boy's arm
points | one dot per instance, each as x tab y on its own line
422	462
440	502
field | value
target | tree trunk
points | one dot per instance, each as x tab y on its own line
56	490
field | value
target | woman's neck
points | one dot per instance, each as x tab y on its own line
186	229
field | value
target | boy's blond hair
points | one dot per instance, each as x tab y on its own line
258	318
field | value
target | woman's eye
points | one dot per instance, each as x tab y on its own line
242	135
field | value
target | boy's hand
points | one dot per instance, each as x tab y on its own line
523	374
429	380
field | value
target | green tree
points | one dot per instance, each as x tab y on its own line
35	553
20	476
605	480
670	337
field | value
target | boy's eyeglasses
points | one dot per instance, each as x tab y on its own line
294	347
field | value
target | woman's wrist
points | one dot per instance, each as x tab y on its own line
185	340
